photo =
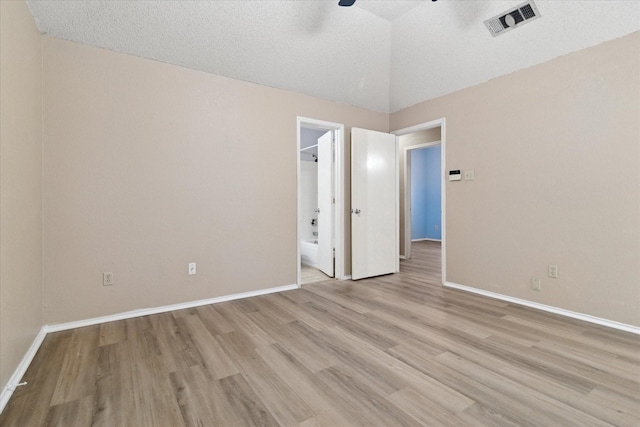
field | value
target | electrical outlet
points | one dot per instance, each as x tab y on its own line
552	271
469	174
107	279
536	284
192	268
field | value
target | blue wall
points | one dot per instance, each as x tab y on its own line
425	193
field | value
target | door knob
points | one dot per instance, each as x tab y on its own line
355	211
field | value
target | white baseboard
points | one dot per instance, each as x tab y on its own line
163	309
21	369
548	308
28	357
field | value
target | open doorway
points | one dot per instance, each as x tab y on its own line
320	216
428	134
423	187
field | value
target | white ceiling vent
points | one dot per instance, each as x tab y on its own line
513	18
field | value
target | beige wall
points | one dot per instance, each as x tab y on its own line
404	141
149	166
556	151
20	185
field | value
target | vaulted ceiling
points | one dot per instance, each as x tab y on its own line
383	55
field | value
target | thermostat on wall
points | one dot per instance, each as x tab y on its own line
454	175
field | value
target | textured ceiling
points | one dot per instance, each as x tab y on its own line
383	55
388	10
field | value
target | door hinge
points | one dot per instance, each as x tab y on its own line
334	253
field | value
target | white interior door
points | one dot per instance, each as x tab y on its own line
325	204
374	209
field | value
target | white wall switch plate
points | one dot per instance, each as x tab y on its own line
553	271
192	268
536	284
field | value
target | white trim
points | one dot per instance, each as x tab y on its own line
426	239
397	174
163	309
442	123
548	308
22	368
339	242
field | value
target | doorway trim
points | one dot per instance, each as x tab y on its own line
441	123
338	191
406	158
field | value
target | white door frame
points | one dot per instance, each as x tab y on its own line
443	198
338	191
406	158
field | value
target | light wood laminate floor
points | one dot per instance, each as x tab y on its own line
311	275
397	350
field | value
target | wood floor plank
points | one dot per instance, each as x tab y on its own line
112	332
354	322
79	366
295	338
298	311
114	387
330	409
201	398
546	410
247	407
29	404
213	358
376	409
424	409
78	412
175	348
213	320
615	413
240	322
387	351
285	405
153	398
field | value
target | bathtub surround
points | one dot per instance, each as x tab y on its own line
307	222
309	253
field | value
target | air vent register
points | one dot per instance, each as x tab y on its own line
516	17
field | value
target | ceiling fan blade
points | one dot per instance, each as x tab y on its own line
346	3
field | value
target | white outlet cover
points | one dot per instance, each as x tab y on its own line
192	268
107	279
469	175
